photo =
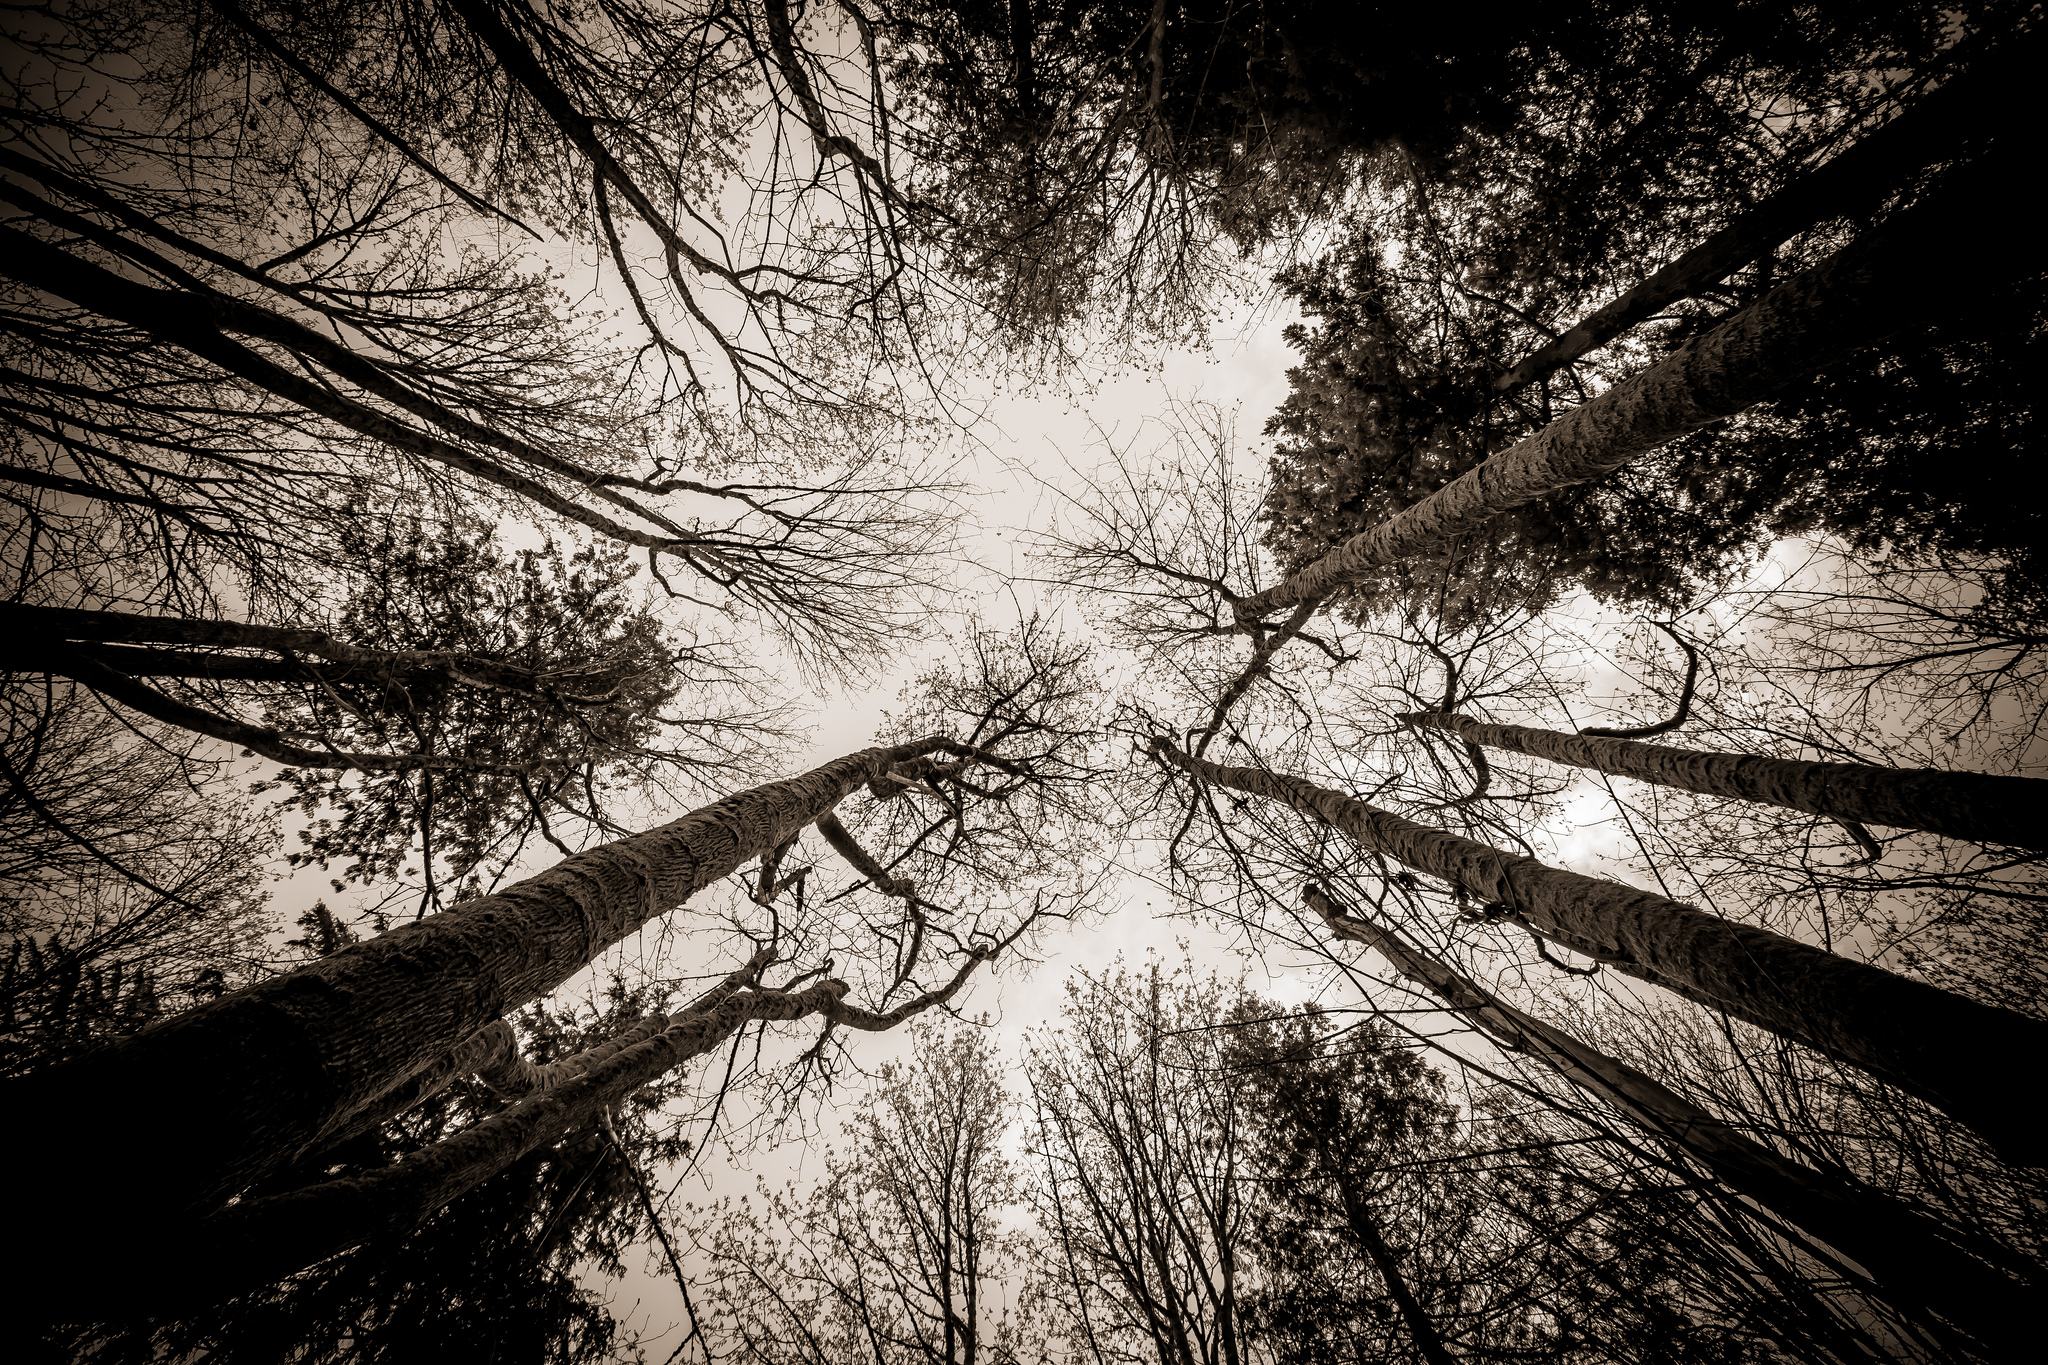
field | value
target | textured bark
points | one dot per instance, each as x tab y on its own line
244	1086
466	1058
1911	1258
499	1064
1872	289
1975	806
260	1241
1974	1061
1979	102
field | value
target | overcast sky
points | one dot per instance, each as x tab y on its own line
1018	456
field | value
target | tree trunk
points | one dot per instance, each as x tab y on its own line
1974	806
265	740
860	860
1981	102
111	632
200	323
245	1085
1429	1343
169	663
1976	1062
1911	1258
468	1057
260	1241
1877	286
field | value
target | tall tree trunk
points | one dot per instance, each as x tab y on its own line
469	1057
260	1241
245	1085
1876	287
194	321
1429	1343
1981	102
1914	1261
1975	806
1974	1061
132	662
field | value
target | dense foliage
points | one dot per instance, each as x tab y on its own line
603	671
1463	264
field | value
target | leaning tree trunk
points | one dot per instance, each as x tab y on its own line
1982	102
1975	806
1876	287
246	1085
1912	1259
1973	1061
91	647
257	1242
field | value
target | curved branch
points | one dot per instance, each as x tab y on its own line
1678	717
1482	771
843	842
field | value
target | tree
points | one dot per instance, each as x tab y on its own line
304	351
462	697
1409	379
267	1076
258	1240
1979	806
1094	153
1914	1260
1087	158
1141	1196
275	356
1828	1002
120	900
1338	1110
1229	1175
387	1008
1805	324
495	1272
1907	454
901	1252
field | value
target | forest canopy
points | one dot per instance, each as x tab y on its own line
569	563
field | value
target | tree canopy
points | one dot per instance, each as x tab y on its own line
481	469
